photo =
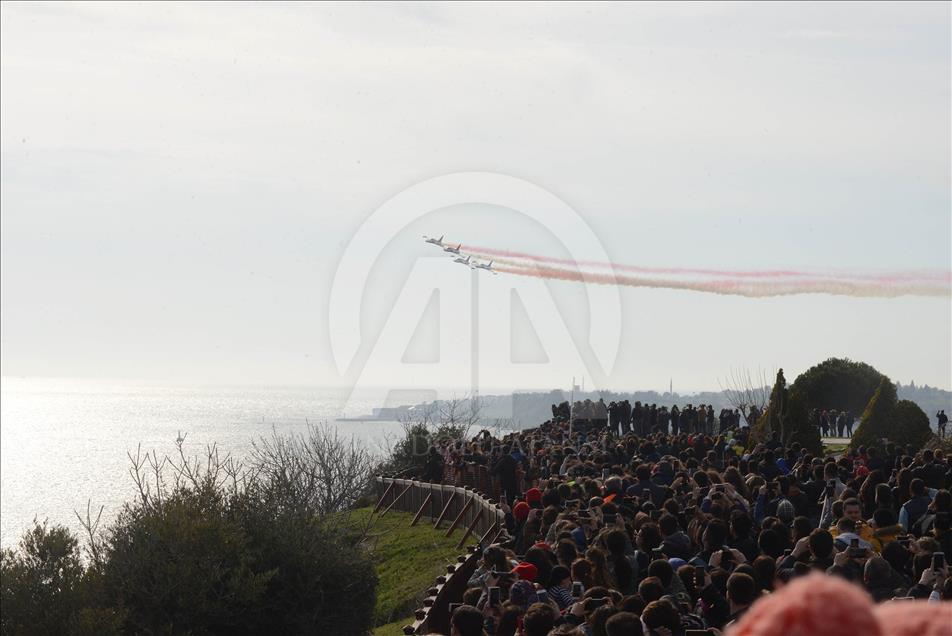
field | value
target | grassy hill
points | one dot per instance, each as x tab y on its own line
408	560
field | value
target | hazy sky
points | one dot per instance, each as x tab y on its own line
180	181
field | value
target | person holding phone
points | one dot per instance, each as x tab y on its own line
560	587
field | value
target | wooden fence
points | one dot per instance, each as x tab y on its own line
450	509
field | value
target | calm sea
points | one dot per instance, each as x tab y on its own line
65	442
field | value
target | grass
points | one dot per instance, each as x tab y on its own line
408	560
836	447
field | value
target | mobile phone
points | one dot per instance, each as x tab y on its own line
571	503
657	553
787	552
854	551
938	560
698	577
726	556
904	540
583	513
830	488
453	607
595	603
605	473
494	597
577	589
719	488
503	499
610	519
542	596
690	511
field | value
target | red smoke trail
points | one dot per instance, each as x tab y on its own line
901	277
735	287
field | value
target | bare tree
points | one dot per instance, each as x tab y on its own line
321	471
744	389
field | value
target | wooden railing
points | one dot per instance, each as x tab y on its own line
462	508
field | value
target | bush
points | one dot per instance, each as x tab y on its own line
911	425
838	383
878	417
205	548
41	582
787	415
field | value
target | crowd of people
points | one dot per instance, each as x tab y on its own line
667	532
643	419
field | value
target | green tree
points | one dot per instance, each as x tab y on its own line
838	383
878	418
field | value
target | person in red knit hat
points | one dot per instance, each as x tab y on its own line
818	605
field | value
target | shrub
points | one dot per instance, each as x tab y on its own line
787	415
205	548
838	383
41	581
878	417
911	424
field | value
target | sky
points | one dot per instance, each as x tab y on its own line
180	184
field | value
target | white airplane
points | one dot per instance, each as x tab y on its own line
451	249
487	266
434	241
462	261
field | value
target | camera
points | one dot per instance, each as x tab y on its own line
577	589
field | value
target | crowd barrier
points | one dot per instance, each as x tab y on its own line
453	507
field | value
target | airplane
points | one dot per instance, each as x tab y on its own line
462	261
487	266
434	241
451	249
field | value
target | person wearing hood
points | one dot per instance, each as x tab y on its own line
885	529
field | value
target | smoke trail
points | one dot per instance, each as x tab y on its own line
517	259
740	287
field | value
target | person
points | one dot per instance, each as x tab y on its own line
505	469
877	579
466	621
742	591
433	468
539	620
916	507
816	605
560	586
623	624
943	419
